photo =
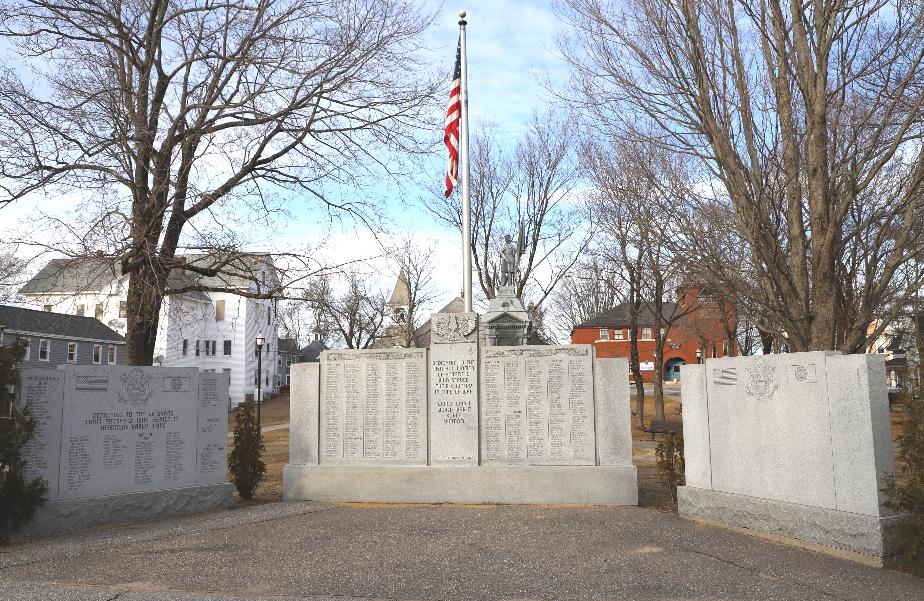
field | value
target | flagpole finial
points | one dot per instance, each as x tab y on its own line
461	17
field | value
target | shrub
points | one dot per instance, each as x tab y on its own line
19	497
669	455
907	494
247	469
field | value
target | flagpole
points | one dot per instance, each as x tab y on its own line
463	165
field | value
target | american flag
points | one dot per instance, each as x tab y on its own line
453	118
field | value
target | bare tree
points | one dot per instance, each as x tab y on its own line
637	190
170	113
807	116
12	273
534	187
349	310
587	291
415	265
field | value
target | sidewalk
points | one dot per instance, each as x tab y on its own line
317	551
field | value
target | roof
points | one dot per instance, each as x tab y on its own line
93	274
288	345
401	295
56	324
619	316
312	352
73	275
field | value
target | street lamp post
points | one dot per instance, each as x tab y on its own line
260	342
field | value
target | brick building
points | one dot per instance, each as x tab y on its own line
702	327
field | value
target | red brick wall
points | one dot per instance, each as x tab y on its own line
686	341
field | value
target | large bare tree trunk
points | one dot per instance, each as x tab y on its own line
145	299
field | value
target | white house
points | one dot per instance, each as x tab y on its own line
214	331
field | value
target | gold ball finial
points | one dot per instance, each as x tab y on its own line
461	14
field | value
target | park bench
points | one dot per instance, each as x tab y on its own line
664	426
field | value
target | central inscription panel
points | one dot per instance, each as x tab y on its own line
374	407
537	406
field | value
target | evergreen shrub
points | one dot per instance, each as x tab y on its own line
670	462
905	494
245	463
20	497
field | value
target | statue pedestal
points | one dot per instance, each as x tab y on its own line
506	322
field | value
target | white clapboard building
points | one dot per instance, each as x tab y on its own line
213	331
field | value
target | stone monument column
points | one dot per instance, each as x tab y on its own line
454	389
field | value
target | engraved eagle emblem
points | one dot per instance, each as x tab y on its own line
135	388
761	382
451	327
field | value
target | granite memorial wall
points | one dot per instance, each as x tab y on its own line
793	444
456	423
120	443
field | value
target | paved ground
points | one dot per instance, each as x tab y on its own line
312	551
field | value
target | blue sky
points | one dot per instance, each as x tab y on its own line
511	54
511	51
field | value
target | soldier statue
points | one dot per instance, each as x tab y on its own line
510	258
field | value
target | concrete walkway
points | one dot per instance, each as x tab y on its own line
314	551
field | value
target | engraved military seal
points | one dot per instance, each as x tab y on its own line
448	328
135	388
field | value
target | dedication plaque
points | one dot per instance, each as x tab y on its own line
128	429
537	406
374	407
454	404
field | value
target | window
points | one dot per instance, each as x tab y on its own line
725	348
81	310
256	377
72	352
197	348
111	360
227	348
617	334
219	310
97	354
185	346
28	344
47	308
714	353
604	334
99	310
123	310
44	350
210	348
646	333
268	313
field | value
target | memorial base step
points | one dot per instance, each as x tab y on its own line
77	514
866	534
567	485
